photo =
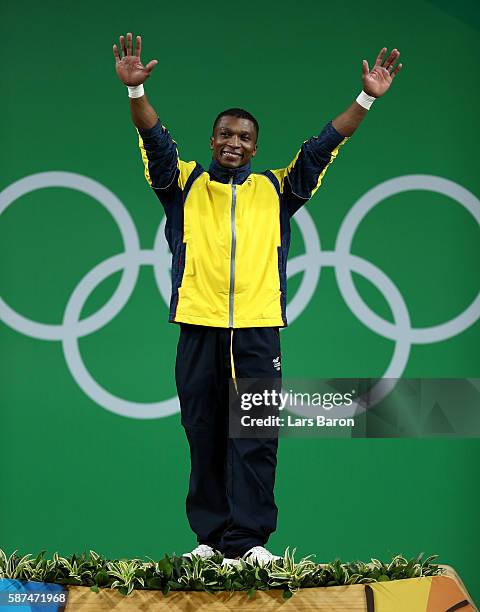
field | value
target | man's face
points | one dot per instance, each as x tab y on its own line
234	141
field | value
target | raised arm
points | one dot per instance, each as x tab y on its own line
303	176
158	149
376	82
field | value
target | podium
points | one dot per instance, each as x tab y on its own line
440	593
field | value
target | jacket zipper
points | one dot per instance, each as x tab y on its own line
232	254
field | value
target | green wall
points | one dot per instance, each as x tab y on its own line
81	473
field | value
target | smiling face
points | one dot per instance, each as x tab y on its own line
234	141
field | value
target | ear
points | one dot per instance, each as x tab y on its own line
211	142
254	152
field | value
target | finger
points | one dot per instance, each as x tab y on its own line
379	59
151	65
397	69
129	43
138	46
392	65
122	44
115	53
365	69
391	59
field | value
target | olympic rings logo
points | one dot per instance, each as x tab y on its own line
310	264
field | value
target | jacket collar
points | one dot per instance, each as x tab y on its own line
223	175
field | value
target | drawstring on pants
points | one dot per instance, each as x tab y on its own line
232	363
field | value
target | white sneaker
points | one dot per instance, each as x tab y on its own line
204	551
260	554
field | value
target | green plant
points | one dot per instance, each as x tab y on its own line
196	574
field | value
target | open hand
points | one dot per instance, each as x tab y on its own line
129	68
377	80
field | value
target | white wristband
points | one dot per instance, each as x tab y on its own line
135	91
365	100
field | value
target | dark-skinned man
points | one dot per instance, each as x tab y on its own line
229	233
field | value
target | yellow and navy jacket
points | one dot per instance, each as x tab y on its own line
229	229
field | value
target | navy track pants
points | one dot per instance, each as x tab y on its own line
230	503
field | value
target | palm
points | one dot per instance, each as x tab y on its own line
377	80
131	71
129	68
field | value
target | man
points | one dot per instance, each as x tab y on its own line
229	233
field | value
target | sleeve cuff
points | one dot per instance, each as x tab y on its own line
153	132
330	137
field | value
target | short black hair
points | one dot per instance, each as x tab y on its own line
236	112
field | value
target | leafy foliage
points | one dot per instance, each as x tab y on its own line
182	574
